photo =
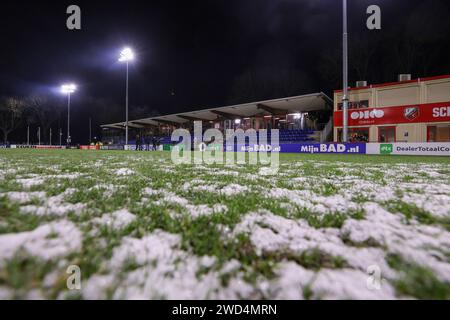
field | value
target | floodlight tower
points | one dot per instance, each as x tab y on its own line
68	89
126	55
345	72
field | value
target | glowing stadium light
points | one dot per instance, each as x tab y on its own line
237	121
126	55
68	88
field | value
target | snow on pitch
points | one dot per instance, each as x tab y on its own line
138	217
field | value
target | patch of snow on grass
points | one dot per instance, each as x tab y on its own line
313	202
117	220
24	197
47	242
417	243
271	233
55	205
124	172
233	189
30	182
196	211
70	176
109	189
293	279
6	294
165	271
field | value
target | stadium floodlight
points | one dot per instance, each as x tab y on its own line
237	121
126	55
68	89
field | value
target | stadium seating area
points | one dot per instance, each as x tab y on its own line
285	136
294	136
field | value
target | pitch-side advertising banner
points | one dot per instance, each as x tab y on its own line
420	149
112	147
133	147
90	147
430	149
431	112
23	146
339	148
425	149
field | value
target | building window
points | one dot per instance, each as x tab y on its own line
438	133
355	135
355	104
386	134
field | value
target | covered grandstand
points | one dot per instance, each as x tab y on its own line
300	119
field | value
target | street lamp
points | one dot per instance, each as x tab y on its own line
126	55
68	89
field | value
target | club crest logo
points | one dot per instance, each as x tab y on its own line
411	113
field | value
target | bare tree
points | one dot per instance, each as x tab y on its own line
421	44
140	112
47	111
107	111
330	68
268	82
11	109
407	53
362	50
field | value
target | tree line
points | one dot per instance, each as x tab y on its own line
40	110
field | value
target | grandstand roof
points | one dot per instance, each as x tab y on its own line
304	103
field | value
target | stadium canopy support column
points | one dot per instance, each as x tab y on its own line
345	73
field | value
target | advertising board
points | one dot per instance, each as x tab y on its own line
420	149
431	112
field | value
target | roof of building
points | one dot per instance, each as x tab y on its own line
304	103
388	84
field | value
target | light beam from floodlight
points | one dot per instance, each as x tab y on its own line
68	89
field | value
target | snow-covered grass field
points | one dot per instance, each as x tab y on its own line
138	226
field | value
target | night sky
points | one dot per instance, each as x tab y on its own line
202	54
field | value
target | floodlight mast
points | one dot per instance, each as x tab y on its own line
126	55
68	89
345	73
